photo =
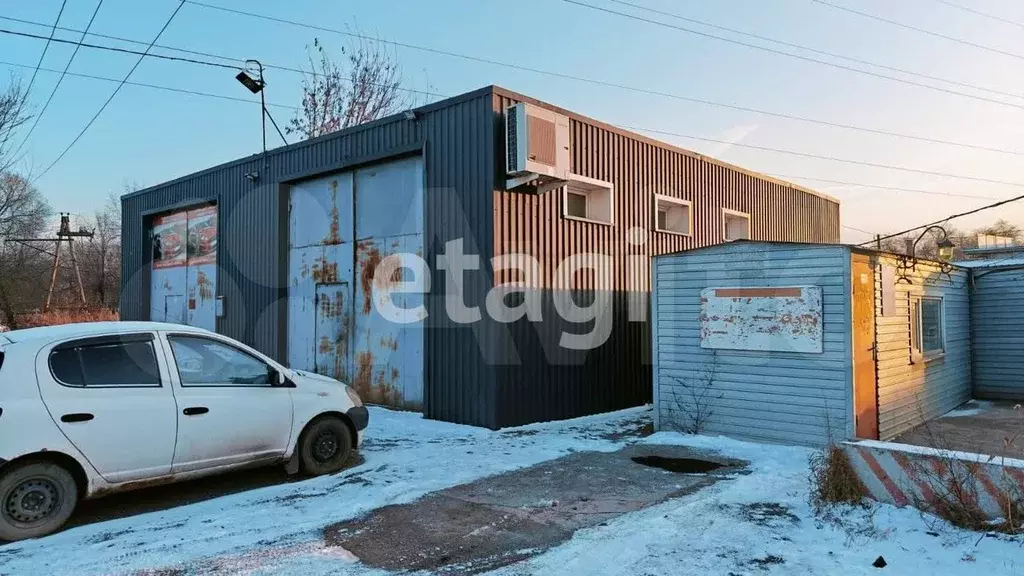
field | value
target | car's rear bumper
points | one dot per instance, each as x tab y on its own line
360	417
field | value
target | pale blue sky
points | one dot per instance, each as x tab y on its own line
148	136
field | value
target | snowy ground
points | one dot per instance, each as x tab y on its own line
405	455
758	523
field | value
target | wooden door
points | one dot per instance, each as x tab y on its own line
865	385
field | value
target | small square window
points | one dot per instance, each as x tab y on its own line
736	225
673	215
927	328
589	200
576	204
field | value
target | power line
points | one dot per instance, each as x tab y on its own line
880	187
31	82
829	158
980	13
114	93
920	30
816	50
189	60
153	86
613	84
46	47
123	39
122	50
784	53
53	92
857	229
947	219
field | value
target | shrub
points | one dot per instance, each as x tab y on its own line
833	479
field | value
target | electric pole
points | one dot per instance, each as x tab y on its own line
65	235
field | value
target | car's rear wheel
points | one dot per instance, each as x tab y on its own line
325	446
36	499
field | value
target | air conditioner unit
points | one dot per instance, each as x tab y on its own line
536	147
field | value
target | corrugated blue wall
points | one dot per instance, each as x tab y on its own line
768	396
997	315
911	392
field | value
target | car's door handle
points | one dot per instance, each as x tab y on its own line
78	417
195	410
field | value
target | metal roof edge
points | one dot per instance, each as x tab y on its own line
399	117
665	145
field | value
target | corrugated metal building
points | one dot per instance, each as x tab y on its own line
997	318
792	343
282	252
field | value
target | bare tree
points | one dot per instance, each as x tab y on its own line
694	397
23	213
101	255
365	86
13	114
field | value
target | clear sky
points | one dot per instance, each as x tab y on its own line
147	136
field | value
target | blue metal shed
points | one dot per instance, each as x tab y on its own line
797	343
997	337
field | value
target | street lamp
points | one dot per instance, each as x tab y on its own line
945	245
256	85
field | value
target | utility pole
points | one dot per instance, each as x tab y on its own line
64	235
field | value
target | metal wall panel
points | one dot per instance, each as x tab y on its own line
910	393
388	351
321	232
997	333
787	397
457	141
539	380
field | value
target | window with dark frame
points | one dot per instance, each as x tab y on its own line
108	364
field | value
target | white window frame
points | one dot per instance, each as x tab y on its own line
917	353
589	187
726	212
662	198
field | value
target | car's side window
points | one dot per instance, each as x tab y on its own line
207	362
106	361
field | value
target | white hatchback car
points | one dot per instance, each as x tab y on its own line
91	409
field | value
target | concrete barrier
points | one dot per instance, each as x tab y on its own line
906	475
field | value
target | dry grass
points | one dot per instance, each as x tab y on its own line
833	479
65	317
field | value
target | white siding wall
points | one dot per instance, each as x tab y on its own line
768	396
909	393
997	314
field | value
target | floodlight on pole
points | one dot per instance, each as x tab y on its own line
256	86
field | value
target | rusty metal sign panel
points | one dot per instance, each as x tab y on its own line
770	319
184	276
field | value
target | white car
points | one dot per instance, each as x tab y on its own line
92	409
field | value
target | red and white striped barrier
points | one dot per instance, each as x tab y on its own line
907	475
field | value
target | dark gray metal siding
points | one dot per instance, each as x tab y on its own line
456	139
539	380
997	337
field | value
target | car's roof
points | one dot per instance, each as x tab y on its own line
91	329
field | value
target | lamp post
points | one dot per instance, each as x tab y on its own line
945	245
256	86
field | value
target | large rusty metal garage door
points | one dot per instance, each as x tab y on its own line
342	227
184	275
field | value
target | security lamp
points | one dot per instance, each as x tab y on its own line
945	250
944	245
255	86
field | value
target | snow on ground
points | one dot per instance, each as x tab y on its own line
969	408
762	523
406	456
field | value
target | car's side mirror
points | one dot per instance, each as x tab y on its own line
278	378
